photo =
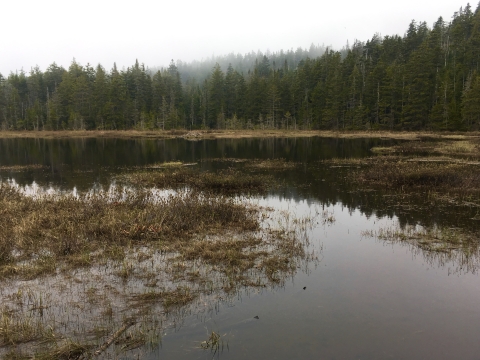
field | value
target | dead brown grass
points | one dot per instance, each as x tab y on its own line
16	331
101	259
257	164
169	298
36	233
271	164
447	168
437	245
18	168
398	173
228	182
462	146
448	181
67	350
217	134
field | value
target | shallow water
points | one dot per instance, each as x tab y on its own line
364	299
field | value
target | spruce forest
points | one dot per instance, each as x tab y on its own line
427	79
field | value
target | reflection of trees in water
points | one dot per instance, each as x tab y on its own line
454	248
328	185
83	162
80	162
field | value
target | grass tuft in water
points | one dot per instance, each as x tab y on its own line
440	245
227	182
74	269
213	342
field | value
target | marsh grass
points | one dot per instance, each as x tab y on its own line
17	330
447	179
133	340
441	176
66	350
226	160
74	268
169	298
18	168
258	164
227	182
460	177
463	147
232	134
438	245
170	164
452	146
213	342
37	233
383	150
271	164
446	167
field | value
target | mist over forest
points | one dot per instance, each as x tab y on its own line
243	64
427	78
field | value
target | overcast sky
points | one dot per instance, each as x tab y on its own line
36	32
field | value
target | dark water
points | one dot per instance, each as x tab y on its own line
365	299
80	162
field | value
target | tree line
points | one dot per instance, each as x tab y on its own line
201	70
427	79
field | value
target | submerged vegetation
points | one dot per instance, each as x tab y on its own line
106	273
213	343
123	263
457	181
253	178
229	181
458	248
430	176
446	170
41	231
468	147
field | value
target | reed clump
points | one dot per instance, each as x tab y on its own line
441	245
67	350
464	147
14	330
18	168
227	182
451	182
74	268
35	234
213	342
271	164
169	298
258	164
397	173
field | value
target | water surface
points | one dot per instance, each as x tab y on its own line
364	298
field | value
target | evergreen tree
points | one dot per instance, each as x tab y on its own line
230	92
427	79
471	103
115	108
100	98
216	93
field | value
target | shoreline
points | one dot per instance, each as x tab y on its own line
234	134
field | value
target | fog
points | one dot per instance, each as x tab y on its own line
39	33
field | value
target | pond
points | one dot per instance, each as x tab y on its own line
359	296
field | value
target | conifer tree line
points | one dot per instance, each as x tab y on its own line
427	79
